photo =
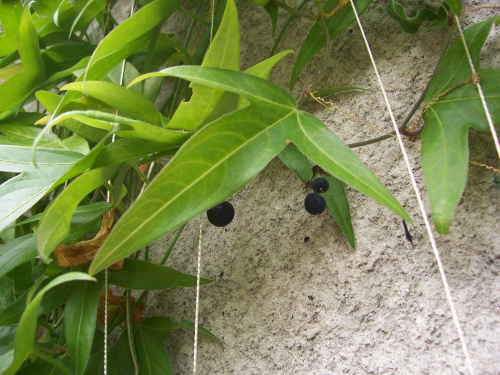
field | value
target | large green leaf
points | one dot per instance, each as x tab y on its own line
226	154
315	40
17	252
21	192
25	334
224	52
445	151
80	317
138	274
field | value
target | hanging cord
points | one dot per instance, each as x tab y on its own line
479	88
197	308
420	203
197	305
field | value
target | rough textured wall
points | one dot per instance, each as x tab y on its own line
289	294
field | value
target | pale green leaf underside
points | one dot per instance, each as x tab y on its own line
227	153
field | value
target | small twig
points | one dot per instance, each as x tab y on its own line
415	106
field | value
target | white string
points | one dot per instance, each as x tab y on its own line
480	89
105	360
197	308
420	203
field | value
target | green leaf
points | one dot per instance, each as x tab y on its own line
407	24
25	335
272	9
21	85
152	356
133	128
445	151
315	40
80	317
203	172
336	198
17	252
224	52
126	149
128	36
11	12
21	192
126	101
455	5
138	274
7	337
56	219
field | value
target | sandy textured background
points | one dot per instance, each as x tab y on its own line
285	305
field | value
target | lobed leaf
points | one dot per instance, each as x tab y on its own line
445	151
226	154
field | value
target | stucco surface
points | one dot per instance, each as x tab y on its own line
289	295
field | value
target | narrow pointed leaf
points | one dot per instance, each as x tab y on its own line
116	96
152	355
327	150
17	252
336	198
224	52
138	274
21	192
315	40
113	48
55	222
445	151
25	335
80	317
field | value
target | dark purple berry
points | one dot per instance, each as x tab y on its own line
320	185
314	204
221	215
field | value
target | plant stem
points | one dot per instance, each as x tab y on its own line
50	360
322	66
415	106
172	244
284	28
195	16
295	10
130	336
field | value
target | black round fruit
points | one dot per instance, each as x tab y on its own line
314	204
320	185
221	215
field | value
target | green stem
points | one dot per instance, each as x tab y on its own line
130	336
284	28
415	106
295	10
195	16
50	360
172	244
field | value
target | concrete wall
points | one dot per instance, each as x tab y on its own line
285	305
